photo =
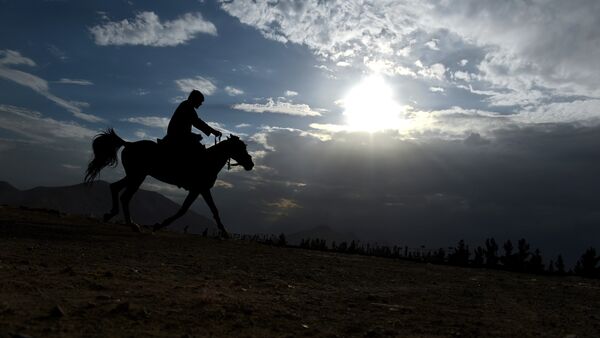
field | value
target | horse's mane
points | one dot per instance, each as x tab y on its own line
228	141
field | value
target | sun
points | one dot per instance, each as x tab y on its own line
370	106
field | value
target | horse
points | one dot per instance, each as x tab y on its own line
140	159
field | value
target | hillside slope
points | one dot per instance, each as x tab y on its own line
69	277
147	207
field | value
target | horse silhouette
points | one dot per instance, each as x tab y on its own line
197	173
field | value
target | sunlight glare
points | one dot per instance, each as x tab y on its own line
370	106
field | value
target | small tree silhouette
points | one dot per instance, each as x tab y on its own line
586	265
479	253
491	253
461	254
560	265
439	257
551	269
508	259
536	264
282	240
522	256
353	247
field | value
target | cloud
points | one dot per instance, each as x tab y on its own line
200	83
149	121
146	29
79	82
559	49
10	57
345	32
43	130
290	93
277	106
232	91
433	44
436	89
284	203
57	52
223	184
464	76
436	71
522	53
582	111
141	91
455	122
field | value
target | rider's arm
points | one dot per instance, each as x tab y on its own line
203	126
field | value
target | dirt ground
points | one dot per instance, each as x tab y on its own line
70	277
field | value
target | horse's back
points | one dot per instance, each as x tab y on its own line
139	155
140	147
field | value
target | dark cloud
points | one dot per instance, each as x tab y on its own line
537	182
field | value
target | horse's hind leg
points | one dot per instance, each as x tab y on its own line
115	188
133	184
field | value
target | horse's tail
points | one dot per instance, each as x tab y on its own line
105	146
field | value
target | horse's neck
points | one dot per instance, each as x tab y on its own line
219	156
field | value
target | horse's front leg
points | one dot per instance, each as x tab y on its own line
213	208
191	197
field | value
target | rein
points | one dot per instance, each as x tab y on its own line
229	165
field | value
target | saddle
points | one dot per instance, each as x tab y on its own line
185	154
181	146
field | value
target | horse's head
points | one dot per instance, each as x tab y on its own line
238	152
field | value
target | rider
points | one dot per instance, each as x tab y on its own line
179	131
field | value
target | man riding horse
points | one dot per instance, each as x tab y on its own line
175	162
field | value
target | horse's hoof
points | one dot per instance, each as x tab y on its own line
223	235
135	227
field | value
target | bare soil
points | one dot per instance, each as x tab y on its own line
71	277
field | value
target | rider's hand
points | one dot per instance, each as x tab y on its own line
217	133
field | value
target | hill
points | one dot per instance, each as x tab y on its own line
69	276
147	207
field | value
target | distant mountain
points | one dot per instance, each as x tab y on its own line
147	207
8	193
321	232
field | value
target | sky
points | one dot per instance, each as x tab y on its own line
404	122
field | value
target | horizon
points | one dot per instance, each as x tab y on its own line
403	122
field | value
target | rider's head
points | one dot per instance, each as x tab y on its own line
196	98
